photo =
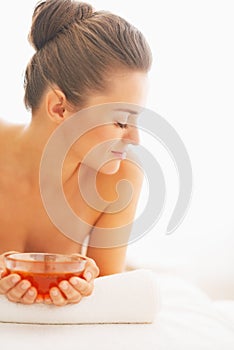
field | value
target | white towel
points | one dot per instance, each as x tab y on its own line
129	297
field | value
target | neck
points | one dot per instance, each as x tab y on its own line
31	145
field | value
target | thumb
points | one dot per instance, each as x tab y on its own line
1	272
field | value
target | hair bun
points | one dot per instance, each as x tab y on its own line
84	11
51	17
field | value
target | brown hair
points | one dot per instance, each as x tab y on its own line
77	47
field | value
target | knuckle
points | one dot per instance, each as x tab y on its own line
19	290
94	268
4	285
26	300
90	290
30	296
2	290
74	295
75	300
87	289
11	297
94	265
97	271
59	302
57	298
84	287
13	294
8	282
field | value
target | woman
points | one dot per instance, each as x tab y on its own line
83	58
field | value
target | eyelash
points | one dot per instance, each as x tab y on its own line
122	126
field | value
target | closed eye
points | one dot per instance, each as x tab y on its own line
122	126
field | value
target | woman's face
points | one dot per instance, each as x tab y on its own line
109	142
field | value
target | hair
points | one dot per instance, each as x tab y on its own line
77	48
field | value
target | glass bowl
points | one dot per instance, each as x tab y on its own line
45	270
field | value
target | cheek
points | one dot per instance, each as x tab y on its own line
105	132
100	135
100	140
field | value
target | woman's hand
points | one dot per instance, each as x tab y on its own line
21	291
72	291
13	287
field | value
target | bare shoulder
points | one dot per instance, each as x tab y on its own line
4	129
8	132
129	170
4	123
5	126
8	129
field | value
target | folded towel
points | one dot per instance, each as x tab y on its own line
129	297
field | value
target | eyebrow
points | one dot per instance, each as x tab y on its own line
126	110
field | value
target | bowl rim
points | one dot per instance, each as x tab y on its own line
13	257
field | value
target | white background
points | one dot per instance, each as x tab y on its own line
192	85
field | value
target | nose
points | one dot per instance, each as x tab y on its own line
132	136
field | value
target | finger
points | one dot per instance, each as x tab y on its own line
47	299
85	288
88	275
91	270
8	282
17	292
3	273
30	296
39	299
72	295
57	297
90	267
2	270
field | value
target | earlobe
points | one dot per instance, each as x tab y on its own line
55	104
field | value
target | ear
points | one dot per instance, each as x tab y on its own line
55	105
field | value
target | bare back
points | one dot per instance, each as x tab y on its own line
24	222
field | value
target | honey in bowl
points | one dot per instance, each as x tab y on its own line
45	270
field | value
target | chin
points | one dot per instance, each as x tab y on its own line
110	168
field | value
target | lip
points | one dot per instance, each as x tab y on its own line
121	155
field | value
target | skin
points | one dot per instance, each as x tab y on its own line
24	223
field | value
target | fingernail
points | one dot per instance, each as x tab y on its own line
54	292
15	279
64	285
39	299
88	276
47	300
25	285
31	292
75	281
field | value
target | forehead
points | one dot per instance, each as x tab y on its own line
131	110
129	84
130	87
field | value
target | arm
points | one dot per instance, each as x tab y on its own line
112	260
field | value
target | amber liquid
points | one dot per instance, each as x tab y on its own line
44	281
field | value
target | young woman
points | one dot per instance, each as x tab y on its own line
83	58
